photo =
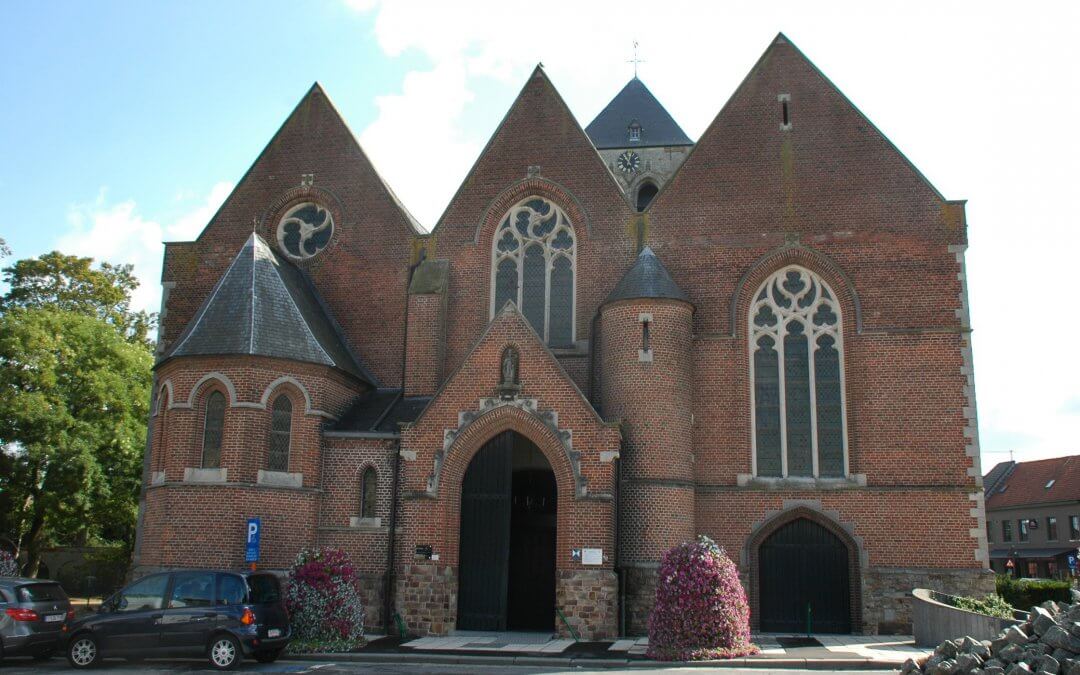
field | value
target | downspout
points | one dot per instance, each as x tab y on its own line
388	589
620	576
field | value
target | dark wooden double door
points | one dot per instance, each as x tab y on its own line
804	580
506	575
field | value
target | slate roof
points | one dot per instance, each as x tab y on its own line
647	278
1024	483
381	412
264	306
635	102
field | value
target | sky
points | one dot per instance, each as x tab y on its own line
126	124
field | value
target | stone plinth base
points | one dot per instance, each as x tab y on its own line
427	598
887	604
589	600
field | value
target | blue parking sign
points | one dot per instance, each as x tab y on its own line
1072	562
254	529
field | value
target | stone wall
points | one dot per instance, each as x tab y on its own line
427	598
589	601
640	595
887	593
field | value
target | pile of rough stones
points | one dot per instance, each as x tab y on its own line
1047	644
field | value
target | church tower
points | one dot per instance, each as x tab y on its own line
640	141
647	382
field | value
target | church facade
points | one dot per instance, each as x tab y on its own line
613	340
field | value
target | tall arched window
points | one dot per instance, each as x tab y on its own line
213	422
533	263
368	490
158	448
797	366
277	458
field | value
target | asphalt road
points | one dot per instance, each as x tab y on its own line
155	667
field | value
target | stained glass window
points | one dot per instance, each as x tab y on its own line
533	265
280	432
213	422
368	489
797	368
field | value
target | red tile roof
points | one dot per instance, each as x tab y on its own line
1025	482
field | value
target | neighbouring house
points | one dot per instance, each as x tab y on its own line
614	339
1033	517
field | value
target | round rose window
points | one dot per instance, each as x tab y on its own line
305	230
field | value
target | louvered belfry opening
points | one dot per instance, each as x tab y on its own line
506	577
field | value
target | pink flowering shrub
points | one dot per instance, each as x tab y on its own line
323	599
701	610
9	567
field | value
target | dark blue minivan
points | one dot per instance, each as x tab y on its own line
222	615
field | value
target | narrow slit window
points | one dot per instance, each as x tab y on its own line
785	111
645	335
783	104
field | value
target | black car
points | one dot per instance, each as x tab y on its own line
222	615
33	616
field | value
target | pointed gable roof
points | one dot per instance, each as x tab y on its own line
265	306
1038	482
635	103
647	278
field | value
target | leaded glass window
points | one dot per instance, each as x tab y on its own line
277	458
368	490
796	365
533	264
213	422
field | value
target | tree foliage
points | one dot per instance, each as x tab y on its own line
75	373
69	283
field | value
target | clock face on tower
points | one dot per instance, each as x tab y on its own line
629	162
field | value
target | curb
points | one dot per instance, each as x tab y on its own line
569	662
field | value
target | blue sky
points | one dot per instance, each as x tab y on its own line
127	123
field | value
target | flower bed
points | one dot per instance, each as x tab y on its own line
323	599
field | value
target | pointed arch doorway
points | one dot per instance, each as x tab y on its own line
506	573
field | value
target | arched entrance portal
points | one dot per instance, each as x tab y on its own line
805	580
506	577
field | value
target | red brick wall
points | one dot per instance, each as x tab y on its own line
426	344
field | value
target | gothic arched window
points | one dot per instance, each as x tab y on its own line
368	490
213	423
797	366
533	263
277	458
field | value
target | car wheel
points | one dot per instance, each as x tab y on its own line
224	652
268	656
83	651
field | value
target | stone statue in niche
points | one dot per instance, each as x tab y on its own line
509	384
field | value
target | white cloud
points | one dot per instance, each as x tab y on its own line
119	233
975	93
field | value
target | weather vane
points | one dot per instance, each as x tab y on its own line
635	60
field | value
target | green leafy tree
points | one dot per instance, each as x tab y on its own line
74	399
70	283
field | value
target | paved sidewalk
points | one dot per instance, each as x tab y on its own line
822	652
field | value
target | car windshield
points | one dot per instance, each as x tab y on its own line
41	593
264	588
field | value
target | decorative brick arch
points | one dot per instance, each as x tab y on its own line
794	254
812	511
450	467
532	186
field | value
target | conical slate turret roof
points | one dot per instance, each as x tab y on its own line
264	306
635	103
648	278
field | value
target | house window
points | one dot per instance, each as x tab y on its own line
633	132
213	421
797	366
990	531
533	265
368	489
1074	528
277	459
1022	527
1051	528
1006	530
1033	570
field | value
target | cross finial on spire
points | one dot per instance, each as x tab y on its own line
636	60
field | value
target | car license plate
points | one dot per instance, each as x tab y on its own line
273	632
53	618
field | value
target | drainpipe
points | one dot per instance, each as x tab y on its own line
620	577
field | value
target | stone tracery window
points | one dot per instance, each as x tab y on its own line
796	366
533	264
